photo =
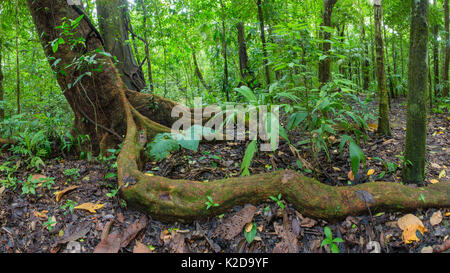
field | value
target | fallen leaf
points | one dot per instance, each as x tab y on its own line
442	174
409	233
351	176
59	194
133	230
434	181
436	218
141	248
427	249
110	243
370	172
336	169
248	227
91	207
447	214
42	214
408	220
38	177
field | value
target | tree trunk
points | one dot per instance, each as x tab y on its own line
383	100
114	29
436	59
365	61
416	115
2	104
447	51
391	84
198	72
225	88
147	50
263	40
324	65
184	200
247	76
17	58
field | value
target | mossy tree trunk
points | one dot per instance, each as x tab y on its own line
263	40
184	200
383	98
2	110
416	115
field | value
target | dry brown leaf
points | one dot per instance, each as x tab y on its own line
436	218
336	169
59	194
408	220
38	177
248	227
91	207
133	230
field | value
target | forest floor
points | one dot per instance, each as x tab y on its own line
38	223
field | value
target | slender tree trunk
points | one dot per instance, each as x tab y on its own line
391	84
383	99
2	104
445	81
394	64
225	59
147	50
263	40
325	64
247	76
372	39
416	115
365	61
114	30
17	58
436	59
198	72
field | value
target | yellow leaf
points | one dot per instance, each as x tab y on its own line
60	194
42	214
370	172
434	181
149	174
372	127
336	169
409	234
91	207
442	174
351	176
447	214
408	220
248	227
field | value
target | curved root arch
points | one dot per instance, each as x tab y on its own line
184	200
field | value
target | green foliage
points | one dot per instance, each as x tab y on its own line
278	200
250	236
210	203
69	204
330	241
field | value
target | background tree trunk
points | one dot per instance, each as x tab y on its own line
383	109
263	40
2	109
225	87
246	74
17	58
147	50
114	30
447	51
416	115
324	65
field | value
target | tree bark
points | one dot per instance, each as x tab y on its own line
324	65
183	200
445	81
391	84
263	40
147	50
383	100
416	115
2	109
114	30
365	62
225	87
247	76
17	58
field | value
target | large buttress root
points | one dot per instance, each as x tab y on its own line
184	200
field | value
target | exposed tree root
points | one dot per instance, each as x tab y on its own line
184	200
103	97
